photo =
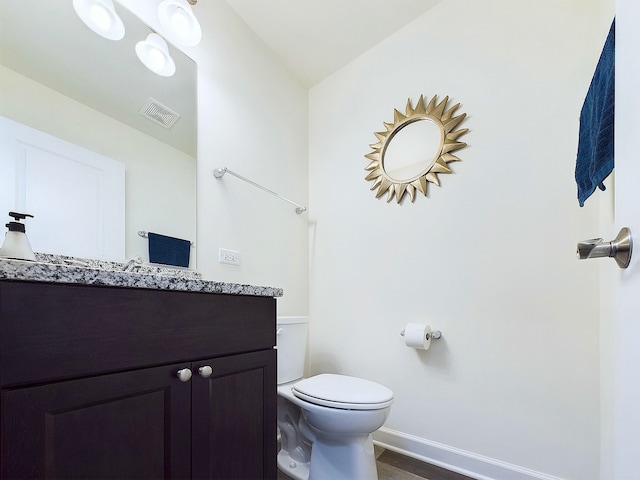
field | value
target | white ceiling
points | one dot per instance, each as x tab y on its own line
314	38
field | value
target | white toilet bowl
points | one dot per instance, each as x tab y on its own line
325	421
332	431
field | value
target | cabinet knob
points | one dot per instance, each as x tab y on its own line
205	372
184	375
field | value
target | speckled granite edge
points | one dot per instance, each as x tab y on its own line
147	268
80	275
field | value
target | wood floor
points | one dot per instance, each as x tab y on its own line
394	466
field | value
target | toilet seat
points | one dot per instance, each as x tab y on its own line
342	391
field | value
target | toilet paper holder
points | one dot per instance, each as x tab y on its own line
434	335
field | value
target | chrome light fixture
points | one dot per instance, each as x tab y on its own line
179	24
153	52
101	17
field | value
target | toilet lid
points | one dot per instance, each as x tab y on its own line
341	391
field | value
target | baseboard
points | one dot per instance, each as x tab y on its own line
454	459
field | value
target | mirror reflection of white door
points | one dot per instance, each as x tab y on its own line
75	195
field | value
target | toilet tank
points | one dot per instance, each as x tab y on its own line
291	342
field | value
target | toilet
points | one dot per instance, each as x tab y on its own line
325	421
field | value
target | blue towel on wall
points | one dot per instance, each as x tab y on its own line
595	144
169	250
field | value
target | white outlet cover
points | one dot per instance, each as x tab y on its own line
230	257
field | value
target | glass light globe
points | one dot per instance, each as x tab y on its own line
180	21
156	59
153	52
100	16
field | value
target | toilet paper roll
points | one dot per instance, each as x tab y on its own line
417	336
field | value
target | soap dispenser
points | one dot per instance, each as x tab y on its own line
16	244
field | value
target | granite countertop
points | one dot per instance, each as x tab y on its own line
81	271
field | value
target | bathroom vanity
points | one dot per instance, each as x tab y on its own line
121	376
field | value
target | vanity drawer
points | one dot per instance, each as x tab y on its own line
51	332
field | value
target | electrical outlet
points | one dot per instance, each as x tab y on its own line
230	257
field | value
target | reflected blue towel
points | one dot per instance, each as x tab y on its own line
595	144
169	250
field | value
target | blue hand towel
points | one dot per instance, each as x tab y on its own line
169	250
595	144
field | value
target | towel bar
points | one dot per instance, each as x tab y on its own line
219	173
144	234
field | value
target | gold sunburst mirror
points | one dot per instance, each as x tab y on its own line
431	137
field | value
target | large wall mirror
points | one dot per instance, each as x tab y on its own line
53	66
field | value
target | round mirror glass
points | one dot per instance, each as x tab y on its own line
412	150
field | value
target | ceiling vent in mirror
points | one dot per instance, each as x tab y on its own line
159	113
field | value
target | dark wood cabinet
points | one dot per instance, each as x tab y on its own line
90	386
124	425
233	417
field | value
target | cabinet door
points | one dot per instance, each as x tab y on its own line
234	418
130	425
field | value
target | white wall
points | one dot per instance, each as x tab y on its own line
512	390
252	118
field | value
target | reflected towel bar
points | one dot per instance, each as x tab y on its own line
219	173
144	234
